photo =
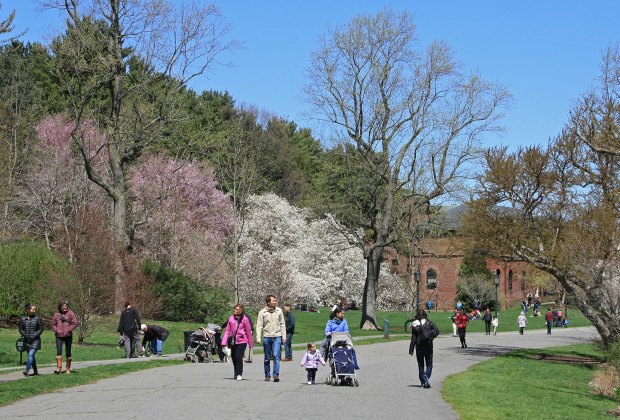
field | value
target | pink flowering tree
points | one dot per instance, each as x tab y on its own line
180	217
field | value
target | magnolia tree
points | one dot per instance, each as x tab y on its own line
287	254
181	218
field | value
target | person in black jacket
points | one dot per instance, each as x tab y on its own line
128	329
31	328
289	321
488	317
423	331
155	336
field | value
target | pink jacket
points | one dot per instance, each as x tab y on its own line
311	360
64	324
244	333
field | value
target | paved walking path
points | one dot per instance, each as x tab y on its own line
389	386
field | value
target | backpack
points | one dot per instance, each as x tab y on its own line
428	332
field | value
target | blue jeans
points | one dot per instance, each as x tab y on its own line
31	360
288	351
156	346
424	354
549	327
272	347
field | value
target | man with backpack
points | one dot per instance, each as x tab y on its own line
423	333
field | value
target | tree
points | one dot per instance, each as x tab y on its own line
123	63
6	25
412	116
565	204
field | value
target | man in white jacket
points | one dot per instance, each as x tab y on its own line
271	331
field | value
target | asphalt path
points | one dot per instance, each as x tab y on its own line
389	386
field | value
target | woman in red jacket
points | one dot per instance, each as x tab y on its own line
461	321
63	324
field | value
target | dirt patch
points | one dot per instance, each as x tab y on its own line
576	360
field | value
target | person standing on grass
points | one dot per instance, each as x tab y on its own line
423	332
310	361
270	326
128	327
289	321
549	319
461	324
237	336
31	328
63	324
521	322
487	321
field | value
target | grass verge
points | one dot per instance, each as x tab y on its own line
13	391
521	385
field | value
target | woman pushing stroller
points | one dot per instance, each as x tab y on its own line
337	323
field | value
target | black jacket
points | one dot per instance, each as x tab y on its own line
155	332
289	321
31	329
416	340
129	322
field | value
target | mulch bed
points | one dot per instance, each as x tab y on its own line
577	360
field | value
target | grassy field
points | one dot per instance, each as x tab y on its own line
102	344
519	386
16	390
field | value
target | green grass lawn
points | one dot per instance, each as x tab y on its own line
16	390
102	344
517	386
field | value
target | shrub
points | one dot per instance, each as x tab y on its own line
184	299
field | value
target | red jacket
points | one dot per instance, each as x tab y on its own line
461	320
64	324
549	316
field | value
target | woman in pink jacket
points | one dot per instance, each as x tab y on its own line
63	324
238	335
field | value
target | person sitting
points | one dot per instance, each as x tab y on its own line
155	336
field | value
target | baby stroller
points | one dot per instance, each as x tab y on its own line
342	360
203	344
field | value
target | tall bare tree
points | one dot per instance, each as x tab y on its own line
411	114
566	200
123	64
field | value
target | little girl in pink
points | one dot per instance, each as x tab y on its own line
311	361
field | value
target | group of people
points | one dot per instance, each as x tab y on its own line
131	328
31	327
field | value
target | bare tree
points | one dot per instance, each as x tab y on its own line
124	64
476	287
411	114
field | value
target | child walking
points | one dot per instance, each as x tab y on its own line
311	361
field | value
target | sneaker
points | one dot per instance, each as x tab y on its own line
427	382
267	378
309	382
25	373
276	379
239	378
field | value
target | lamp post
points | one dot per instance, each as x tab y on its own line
496	280
417	275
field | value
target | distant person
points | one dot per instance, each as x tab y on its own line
461	324
128	327
429	304
63	324
237	336
522	322
488	317
529	299
453	318
423	332
554	312
549	320
310	361
536	309
154	336
289	321
495	324
565	323
271	331
559	318
31	328
477	305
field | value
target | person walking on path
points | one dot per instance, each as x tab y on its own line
128	327
488	317
63	324
289	321
549	319
154	336
495	324
336	323
31	328
270	326
423	332
453	318
521	322
311	361
237	336
461	324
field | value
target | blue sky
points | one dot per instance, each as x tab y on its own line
546	52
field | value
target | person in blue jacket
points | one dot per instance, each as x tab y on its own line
337	323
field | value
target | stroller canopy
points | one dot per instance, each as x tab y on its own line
341	338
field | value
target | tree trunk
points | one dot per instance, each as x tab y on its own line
369	301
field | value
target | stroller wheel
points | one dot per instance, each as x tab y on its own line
194	359
356	382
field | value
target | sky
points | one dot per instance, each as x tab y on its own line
547	53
